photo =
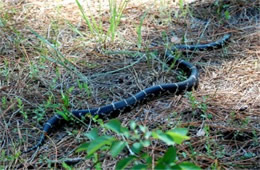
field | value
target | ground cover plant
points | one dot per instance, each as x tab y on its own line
58	56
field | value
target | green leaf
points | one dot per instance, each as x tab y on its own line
147	158
114	125
125	132
93	134
123	163
137	147
65	99
178	135
164	137
143	128
176	167
117	147
145	143
82	147
96	162
168	158
98	143
162	166
71	89
227	15
66	166
170	155
186	166
147	135
132	125
140	167
95	158
63	114
98	166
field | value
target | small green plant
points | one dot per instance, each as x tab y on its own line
40	111
34	70
222	10
64	112
21	108
207	134
202	106
227	15
255	138
7	159
245	122
85	87
5	70
4	101
135	139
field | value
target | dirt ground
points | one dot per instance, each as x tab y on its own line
222	115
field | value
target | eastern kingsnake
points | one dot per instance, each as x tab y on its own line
129	103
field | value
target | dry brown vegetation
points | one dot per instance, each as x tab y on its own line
223	122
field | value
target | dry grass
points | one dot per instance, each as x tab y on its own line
228	135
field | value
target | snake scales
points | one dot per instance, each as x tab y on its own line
144	95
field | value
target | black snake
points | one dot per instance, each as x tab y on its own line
146	94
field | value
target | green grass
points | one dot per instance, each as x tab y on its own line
95	25
139	31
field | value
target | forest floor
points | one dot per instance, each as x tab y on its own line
222	115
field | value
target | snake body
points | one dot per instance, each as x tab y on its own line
147	94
